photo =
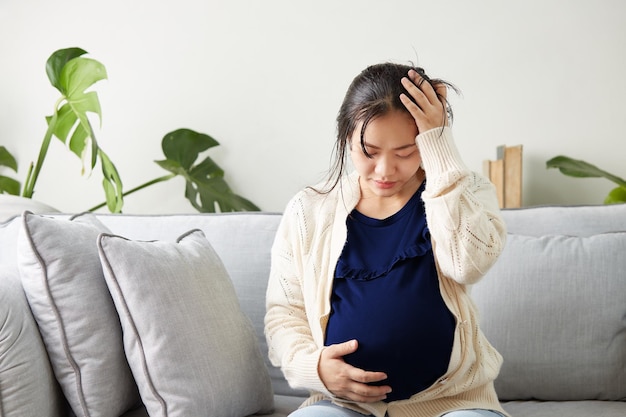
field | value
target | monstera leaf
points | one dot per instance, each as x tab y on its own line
616	196
72	74
205	187
8	185
582	169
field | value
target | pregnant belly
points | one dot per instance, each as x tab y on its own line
406	336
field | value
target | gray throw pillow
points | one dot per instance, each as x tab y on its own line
61	274
554	306
192	350
27	383
8	241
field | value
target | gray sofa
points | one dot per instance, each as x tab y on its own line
554	305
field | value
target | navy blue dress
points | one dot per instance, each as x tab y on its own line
386	295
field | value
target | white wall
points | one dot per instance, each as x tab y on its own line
266	79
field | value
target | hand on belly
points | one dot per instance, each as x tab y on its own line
347	381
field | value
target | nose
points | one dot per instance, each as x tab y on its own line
385	165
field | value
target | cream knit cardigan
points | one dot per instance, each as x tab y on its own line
467	236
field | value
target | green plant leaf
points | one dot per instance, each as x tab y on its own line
67	117
9	186
112	184
64	122
205	188
7	159
616	196
84	145
57	61
581	169
208	189
184	146
79	74
75	77
215	196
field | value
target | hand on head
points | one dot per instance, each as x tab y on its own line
429	107
344	380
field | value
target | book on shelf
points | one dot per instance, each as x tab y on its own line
505	172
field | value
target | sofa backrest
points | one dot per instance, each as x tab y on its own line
535	308
554	304
566	220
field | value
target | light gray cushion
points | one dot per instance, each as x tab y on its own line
61	274
554	306
566	220
242	240
8	241
27	384
191	348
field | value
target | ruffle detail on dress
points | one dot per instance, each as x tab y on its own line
420	248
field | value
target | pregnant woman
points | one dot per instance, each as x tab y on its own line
368	305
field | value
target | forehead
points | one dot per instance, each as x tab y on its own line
390	130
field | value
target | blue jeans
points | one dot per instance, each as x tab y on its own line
327	409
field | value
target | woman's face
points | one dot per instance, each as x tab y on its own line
390	140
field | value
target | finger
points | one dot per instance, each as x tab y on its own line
366	377
411	87
442	91
424	86
342	349
413	108
367	393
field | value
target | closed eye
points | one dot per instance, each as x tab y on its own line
406	155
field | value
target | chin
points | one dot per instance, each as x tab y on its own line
385	192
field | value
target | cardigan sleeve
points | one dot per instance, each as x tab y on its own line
289	338
461	209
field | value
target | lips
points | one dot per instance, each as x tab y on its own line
385	185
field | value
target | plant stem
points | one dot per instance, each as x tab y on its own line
140	187
617	180
33	173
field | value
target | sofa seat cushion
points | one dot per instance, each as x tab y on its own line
62	277
554	307
283	406
286	404
565	408
192	350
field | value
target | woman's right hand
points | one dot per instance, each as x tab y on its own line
429	109
347	382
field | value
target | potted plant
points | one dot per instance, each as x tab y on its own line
73	74
582	169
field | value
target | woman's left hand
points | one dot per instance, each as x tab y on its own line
430	110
